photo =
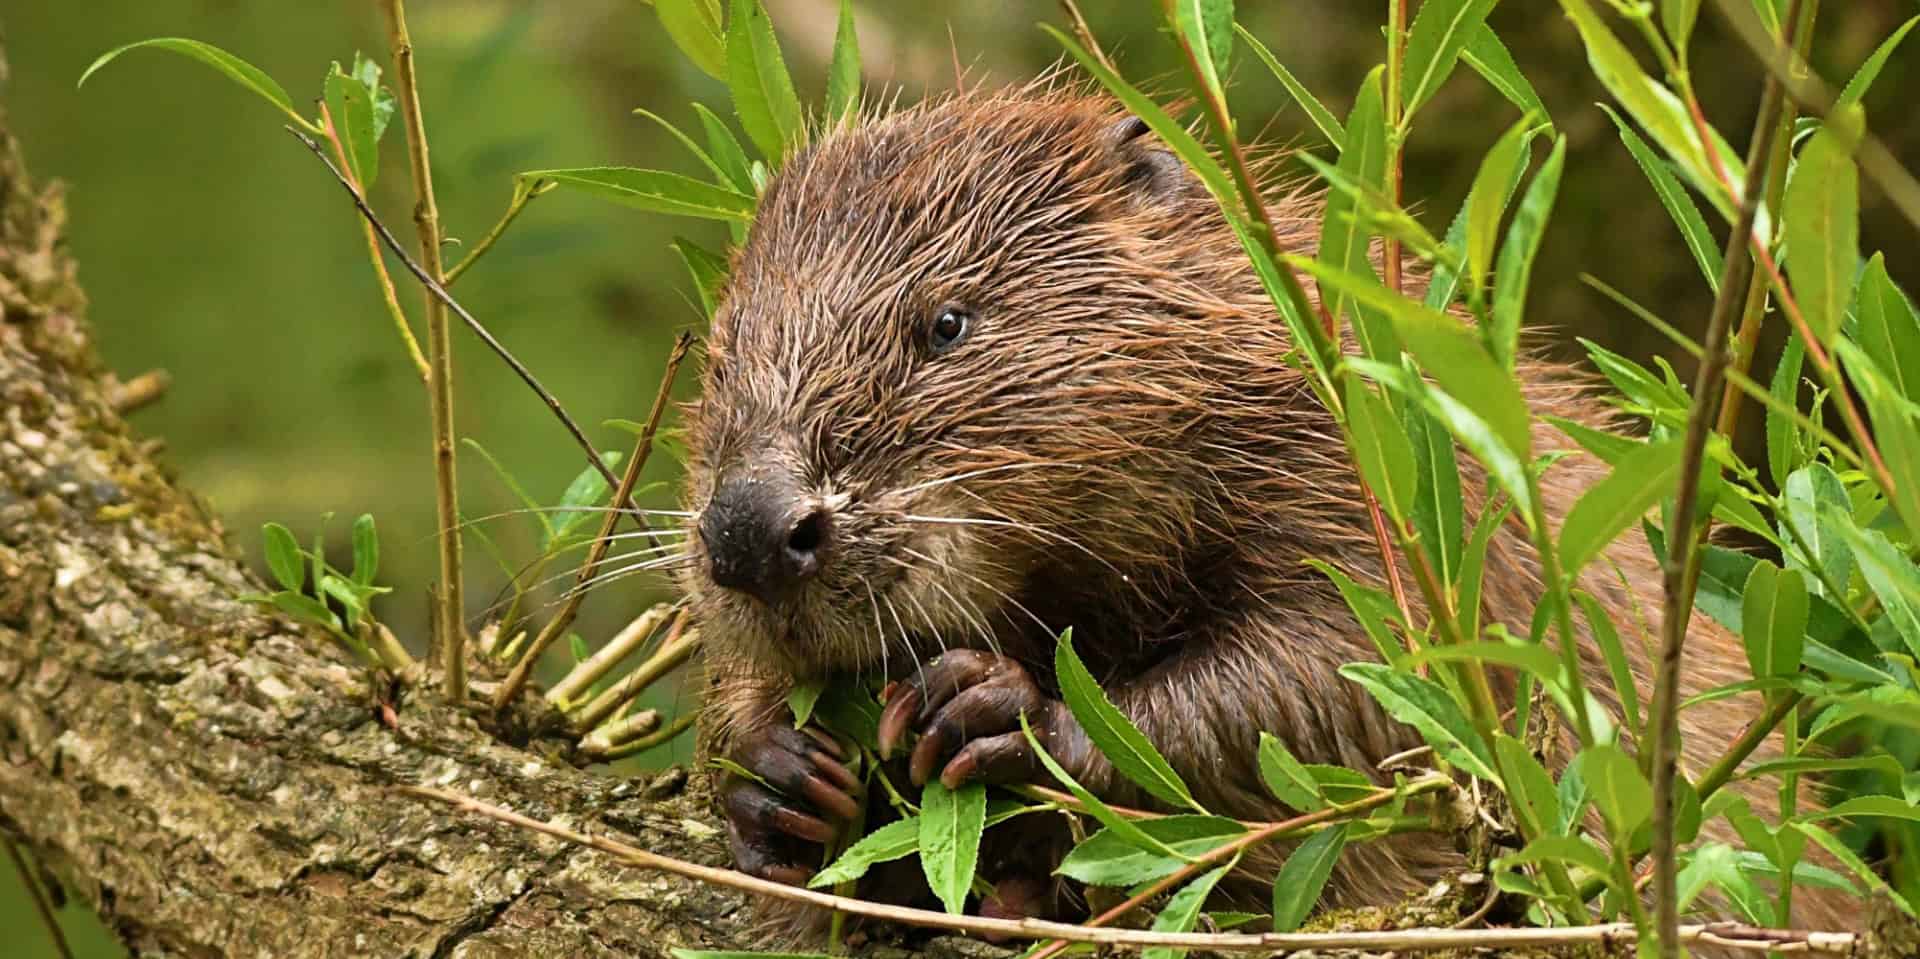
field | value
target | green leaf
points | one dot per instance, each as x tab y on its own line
1528	785
656	191
763	94
694	26
351	104
843	74
1891	576
895	840
1207	27
706	159
1882	806
1182	911
1889	328
1568	849
1634	381
1120	825
1881	763
1469	429
1109	858
577	647
726	151
1473	563
1821	215
1344	238
1775	619
951	822
588	489
1608	639
1487	200
1863	78
1783	433
1286	778
1429	708
1440	31
1329	125
1679	203
1380	446
1606	509
1372	607
801	700
1439	512
1297	888
283	556
236	69
1517	254
1445	281
1490	58
305	608
708	269
1813	496
848	708
533	507
1617	787
1847	857
1678	16
366	550
1113	733
1894	427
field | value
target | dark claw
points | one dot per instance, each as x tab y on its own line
795	764
752	806
757	854
963	700
998	759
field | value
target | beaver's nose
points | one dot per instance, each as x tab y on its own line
763	537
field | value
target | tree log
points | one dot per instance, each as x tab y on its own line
216	780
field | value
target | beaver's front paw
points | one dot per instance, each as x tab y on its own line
967	707
775	834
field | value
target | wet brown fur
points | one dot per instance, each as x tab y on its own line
1139	461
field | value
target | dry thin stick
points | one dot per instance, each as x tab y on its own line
1681	571
1733	935
141	391
606	739
387	293
39	897
617	649
680	724
642	449
426	216
523	193
672	652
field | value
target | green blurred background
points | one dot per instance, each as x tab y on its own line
214	247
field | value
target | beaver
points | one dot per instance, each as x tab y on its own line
996	365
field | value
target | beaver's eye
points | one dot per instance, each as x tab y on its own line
950	326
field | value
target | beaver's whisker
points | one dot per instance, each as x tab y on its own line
982	582
574	572
967	613
1010	524
905	643
879	633
942	481
671	561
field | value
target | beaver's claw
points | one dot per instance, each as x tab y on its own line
769	829
967	707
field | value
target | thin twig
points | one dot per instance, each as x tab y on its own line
523	193
1733	935
1681	572
1750	739
673	651
603	741
388	294
624	644
39	897
680	724
642	449
452	640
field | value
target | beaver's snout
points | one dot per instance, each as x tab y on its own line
764	536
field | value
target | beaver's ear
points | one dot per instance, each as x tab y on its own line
1149	168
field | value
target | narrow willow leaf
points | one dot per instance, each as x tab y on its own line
1783	432
1286	778
1381	449
1529	786
1879	762
1491	59
895	840
1895	427
1467	425
694	26
1650	104
708	269
1330	125
1615	503
1856	88
1775	620
1473	564
843	75
1678	17
1120	825
725	148
801	699
653	190
763	94
1821	215
305	608
1372	607
1635	381
1880	806
706	159
1679	203
1567	849
1113	733
1207	27
1814	497
283	556
236	69
1486	201
351	105
1440	30
1430	709
1517	253
1344	238
1891	576
1298	886
1182	911
1844	853
1617	787
1439	511
951	823
1608	639
366	550
1445	281
1889	328
587	490
1108	858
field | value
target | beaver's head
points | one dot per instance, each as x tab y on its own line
962	340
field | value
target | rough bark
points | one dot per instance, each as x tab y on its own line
218	781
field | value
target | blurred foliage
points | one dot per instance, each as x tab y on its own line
214	247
